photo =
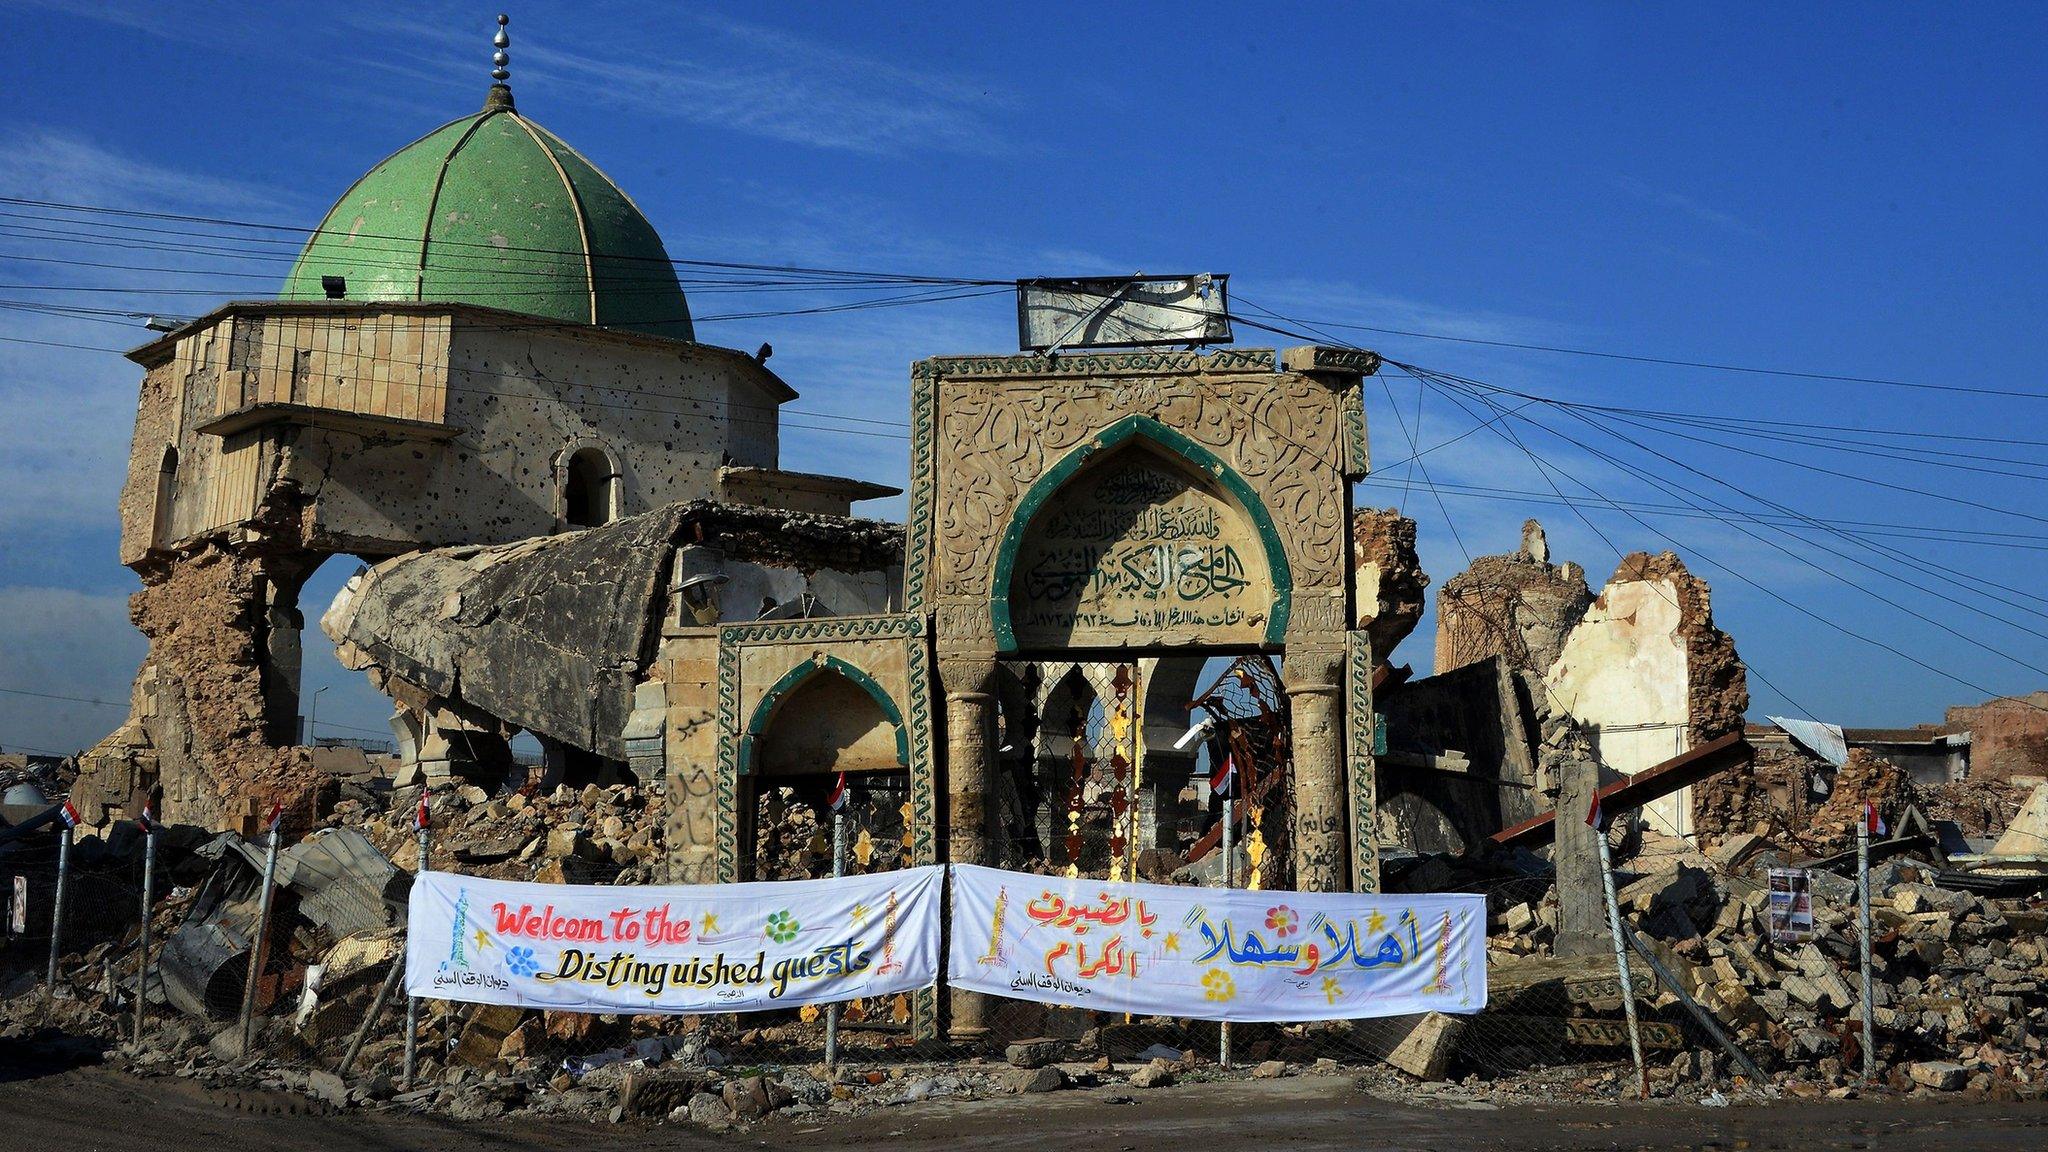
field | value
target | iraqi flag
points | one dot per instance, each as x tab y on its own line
69	814
147	821
1872	822
1223	781
839	795
1594	817
420	820
274	820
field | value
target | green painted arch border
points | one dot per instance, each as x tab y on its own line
801	674
1193	453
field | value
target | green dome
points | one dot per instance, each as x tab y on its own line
494	209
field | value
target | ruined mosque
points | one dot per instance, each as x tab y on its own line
481	381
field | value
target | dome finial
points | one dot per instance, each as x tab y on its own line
501	92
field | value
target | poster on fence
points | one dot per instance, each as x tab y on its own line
1214	953
698	948
1791	905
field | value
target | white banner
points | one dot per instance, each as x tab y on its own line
699	948
1214	953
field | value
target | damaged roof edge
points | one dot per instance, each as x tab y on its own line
161	348
551	634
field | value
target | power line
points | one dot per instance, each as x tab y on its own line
1800	608
1421	373
1866	528
1833	574
1635	358
68	699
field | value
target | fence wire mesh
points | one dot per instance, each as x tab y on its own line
1555	1011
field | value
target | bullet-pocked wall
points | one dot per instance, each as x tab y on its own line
402	426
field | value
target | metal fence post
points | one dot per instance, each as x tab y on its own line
1229	881
148	900
259	946
1863	930
1700	1015
355	1046
1628	989
57	907
838	870
412	1003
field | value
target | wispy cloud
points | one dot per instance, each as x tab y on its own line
1684	205
731	75
46	164
63	642
751	79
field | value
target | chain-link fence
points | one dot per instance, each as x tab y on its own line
1719	995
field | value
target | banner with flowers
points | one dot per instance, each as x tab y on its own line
1214	953
700	948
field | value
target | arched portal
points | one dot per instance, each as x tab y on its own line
589	489
1139	538
822	718
163	510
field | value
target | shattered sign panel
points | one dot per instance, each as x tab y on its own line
1122	311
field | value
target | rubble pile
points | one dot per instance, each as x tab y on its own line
1791	797
1960	981
591	835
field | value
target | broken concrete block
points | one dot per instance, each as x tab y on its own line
1157	1074
1041	1079
327	1087
1035	1053
1802	989
1938	1075
1418	1045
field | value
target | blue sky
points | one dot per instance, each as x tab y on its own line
1845	191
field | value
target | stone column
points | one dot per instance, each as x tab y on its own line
1581	899
969	685
1314	682
281	658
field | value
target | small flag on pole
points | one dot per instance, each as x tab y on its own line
147	821
69	814
838	797
1223	781
276	817
1872	822
420	820
1594	818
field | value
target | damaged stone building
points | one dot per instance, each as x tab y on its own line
1537	677
481	382
485	342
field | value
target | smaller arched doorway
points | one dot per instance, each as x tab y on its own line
590	489
163	509
823	718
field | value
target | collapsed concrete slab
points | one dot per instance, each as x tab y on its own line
548	634
556	636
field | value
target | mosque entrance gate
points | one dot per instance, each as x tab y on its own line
1076	518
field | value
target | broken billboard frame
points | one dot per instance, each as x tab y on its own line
1123	312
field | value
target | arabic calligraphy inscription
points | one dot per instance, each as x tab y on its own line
1136	552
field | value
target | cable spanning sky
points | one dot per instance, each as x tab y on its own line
1756	285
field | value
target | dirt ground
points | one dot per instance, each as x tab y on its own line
93	1109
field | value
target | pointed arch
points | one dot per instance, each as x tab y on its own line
1173	443
804	673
